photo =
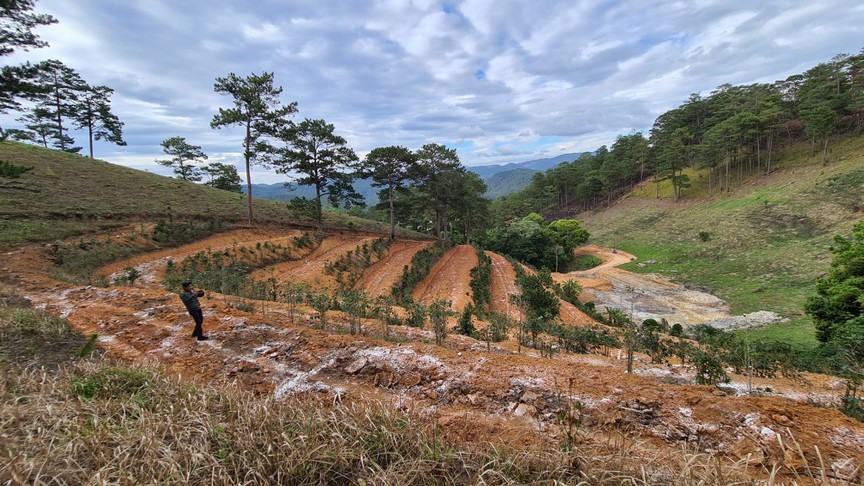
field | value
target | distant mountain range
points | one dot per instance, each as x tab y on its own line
537	165
500	179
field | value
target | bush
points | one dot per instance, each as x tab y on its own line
585	262
853	407
704	236
481	282
466	325
498	326
709	369
129	276
439	311
12	171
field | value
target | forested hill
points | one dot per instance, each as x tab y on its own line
501	180
740	192
710	144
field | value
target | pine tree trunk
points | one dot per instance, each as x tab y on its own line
758	155
319	214
825	152
710	180
248	171
392	213
59	116
90	133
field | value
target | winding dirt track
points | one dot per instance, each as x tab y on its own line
642	295
379	278
449	279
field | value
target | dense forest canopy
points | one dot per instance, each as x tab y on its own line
733	131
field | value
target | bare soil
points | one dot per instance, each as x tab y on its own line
642	295
379	278
476	390
449	279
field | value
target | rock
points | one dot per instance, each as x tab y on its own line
524	409
432	395
411	379
476	399
782	420
529	397
675	433
356	366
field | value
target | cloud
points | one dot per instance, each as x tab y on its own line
502	80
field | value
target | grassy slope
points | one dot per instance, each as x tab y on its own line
769	238
68	194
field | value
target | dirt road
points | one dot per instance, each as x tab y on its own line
642	295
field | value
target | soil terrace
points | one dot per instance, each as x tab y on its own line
475	389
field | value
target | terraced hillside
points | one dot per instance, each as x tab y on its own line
278	346
474	387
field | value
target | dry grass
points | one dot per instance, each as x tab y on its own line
97	421
66	194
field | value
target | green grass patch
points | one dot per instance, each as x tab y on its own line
584	262
28	334
759	197
798	331
769	238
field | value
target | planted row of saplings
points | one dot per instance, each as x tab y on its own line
228	271
708	349
77	261
350	267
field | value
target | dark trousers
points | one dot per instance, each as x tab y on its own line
198	315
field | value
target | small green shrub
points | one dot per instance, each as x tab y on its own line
421	265
704	236
112	382
853	407
466	324
439	311
481	282
88	347
585	262
129	276
709	369
12	171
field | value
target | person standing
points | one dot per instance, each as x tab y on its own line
190	299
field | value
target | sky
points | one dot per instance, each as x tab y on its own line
499	80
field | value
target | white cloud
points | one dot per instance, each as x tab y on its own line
507	80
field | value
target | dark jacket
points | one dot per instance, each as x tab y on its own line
190	299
